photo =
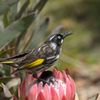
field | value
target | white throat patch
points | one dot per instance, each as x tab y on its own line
53	45
62	41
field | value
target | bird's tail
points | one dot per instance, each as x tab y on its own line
5	61
2	59
8	62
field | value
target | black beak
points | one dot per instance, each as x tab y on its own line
66	34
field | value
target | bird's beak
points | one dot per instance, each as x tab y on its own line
66	34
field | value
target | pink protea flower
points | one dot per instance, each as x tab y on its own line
54	86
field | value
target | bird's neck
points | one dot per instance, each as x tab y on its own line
53	46
56	47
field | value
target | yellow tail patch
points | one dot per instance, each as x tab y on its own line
6	62
35	63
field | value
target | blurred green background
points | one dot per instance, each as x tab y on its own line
83	18
80	51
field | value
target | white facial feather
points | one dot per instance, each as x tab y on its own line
53	45
59	37
52	37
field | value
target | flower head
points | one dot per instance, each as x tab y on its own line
49	86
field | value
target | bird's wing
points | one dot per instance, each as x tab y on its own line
36	57
30	58
15	60
19	57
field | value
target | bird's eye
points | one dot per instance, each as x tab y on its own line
59	37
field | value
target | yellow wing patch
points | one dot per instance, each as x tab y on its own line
33	64
7	62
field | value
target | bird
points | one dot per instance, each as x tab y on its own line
39	59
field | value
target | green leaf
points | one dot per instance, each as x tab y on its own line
39	6
18	43
25	5
6	91
14	98
25	46
15	29
13	11
5	19
5	52
34	4
6	4
5	79
38	36
1	27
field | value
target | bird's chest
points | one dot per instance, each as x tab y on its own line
53	46
48	51
53	52
55	49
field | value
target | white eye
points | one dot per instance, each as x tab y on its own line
59	37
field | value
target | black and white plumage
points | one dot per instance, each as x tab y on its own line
40	58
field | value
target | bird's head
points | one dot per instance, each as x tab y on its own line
57	38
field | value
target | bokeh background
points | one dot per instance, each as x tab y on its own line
81	50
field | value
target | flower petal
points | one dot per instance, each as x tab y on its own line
40	96
68	90
63	98
19	91
65	76
47	92
26	98
61	91
55	73
22	90
31	77
74	97
30	85
60	76
54	95
39	87
14	98
32	92
73	86
27	79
